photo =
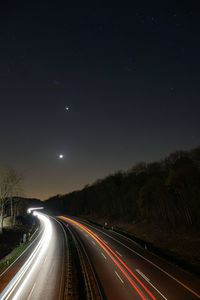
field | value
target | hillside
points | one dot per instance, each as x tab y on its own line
165	192
157	202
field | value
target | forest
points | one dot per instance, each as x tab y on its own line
163	192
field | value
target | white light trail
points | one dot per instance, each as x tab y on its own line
29	210
18	283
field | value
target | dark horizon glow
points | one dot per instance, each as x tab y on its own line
105	86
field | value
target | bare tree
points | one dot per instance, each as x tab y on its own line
10	182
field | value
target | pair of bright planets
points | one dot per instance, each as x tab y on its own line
60	156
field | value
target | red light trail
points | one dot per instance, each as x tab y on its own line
103	245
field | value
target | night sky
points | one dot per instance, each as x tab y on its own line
128	73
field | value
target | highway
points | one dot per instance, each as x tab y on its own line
127	271
41	273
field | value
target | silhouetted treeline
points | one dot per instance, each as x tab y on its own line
166	192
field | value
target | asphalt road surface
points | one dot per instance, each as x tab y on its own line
41	275
127	271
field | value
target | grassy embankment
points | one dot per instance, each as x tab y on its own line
12	245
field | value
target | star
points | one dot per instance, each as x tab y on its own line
61	156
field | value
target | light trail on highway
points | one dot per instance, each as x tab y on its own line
156	278
20	281
117	261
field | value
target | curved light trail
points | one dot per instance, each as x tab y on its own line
29	210
117	260
20	280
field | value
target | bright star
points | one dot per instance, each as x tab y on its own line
61	156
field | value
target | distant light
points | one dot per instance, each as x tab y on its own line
33	208
67	108
61	156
